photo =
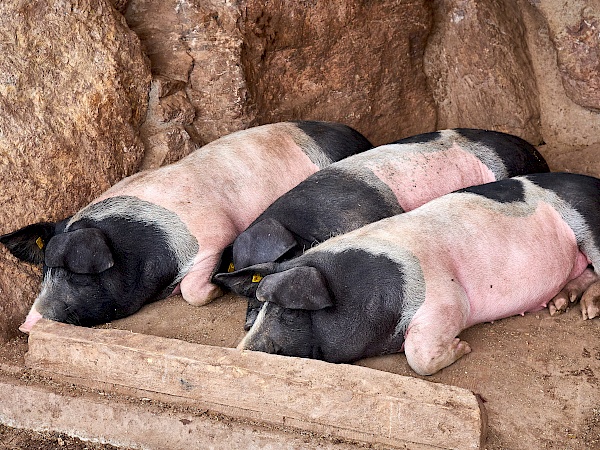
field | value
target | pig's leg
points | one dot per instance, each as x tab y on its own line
431	343
196	288
590	301
572	292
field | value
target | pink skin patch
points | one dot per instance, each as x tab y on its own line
495	270
218	190
30	321
419	177
481	264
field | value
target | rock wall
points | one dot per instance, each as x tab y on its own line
195	49
570	131
480	73
73	94
90	94
356	61
389	68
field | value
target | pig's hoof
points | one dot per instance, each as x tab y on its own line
590	302
460	348
560	303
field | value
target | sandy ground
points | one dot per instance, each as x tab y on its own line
538	375
11	439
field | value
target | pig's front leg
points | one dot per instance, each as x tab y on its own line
431	343
196	288
590	301
573	292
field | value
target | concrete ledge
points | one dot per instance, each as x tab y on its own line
136	426
344	401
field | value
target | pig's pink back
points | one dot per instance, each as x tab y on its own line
417	177
219	189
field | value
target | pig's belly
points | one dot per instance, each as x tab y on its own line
506	265
416	178
487	308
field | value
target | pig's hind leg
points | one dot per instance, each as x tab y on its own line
431	342
573	291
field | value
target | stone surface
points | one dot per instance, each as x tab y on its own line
19	284
565	125
480	71
119	5
73	92
357	62
195	46
164	130
575	32
244	63
101	416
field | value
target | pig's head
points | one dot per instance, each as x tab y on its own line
266	240
105	262
338	307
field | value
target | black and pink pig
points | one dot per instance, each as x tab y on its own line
162	231
414	281
370	186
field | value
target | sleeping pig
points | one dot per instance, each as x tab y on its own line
379	183
162	231
414	281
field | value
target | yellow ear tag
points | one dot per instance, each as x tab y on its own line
256	277
231	267
40	242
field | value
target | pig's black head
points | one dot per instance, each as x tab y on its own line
266	240
107	261
338	307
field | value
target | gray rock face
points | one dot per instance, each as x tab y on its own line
575	32
195	49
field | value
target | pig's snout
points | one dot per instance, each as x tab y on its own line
31	319
259	343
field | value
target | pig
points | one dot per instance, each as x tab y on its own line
414	281
375	184
162	231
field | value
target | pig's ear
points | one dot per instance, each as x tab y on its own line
82	251
297	288
244	281
29	243
265	241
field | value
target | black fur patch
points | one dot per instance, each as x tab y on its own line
504	191
336	140
366	291
526	160
29	243
328	203
420	138
143	271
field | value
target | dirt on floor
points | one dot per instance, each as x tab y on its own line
538	375
13	439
